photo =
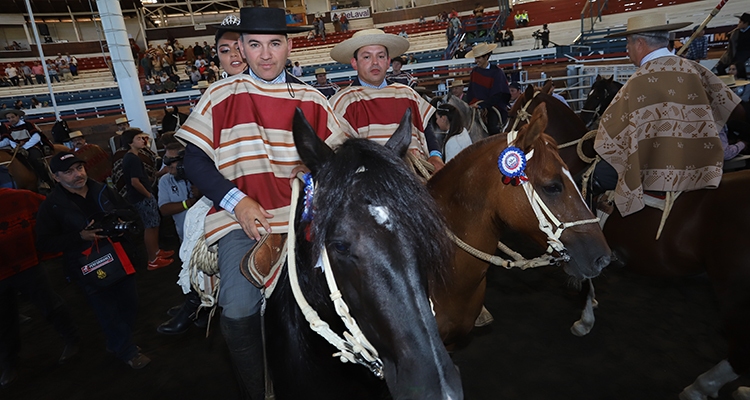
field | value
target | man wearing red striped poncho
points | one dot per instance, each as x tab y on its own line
370	107
240	153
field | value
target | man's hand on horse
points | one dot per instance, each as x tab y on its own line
297	170
436	162
247	212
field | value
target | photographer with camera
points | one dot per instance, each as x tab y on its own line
75	219
176	196
541	35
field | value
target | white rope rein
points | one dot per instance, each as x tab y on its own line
354	346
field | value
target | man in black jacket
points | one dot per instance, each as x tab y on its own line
64	225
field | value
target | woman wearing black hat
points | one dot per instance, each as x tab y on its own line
738	51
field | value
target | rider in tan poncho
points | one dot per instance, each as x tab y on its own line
660	133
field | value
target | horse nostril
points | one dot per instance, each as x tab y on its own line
602	262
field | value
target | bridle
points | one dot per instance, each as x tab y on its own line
596	112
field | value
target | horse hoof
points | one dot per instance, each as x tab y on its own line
689	393
484	318
742	393
580	329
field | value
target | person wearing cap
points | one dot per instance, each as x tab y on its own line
64	224
250	113
515	91
30	138
738	51
397	75
488	87
372	108
139	195
77	139
457	88
325	86
661	130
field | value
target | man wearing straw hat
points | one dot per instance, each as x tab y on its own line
457	88
488	87
370	107
661	131
323	85
250	114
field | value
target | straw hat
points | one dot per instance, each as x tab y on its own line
651	22
457	83
319	71
201	85
122	120
731	82
480	50
4	113
75	134
344	51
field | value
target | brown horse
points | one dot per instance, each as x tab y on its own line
705	232
22	174
481	210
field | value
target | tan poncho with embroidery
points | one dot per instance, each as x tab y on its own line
660	132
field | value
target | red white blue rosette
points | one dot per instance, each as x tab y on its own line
512	164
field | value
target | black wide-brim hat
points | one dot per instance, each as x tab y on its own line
263	20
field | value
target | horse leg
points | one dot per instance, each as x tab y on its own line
709	382
583	326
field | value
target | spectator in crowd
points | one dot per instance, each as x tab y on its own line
738	51
35	103
21	273
12	72
310	35
297	70
195	75
64	224
698	49
403	33
316	26
448	119
739	86
38	71
206	49
322	28
213	67
461	51
323	85
421	20
139	195
457	88
411	59
453	14
478	10
525	18
189	55
27	74
146	65
18	105
65	71
344	23
336	23
507	38
488	88
179	49
172	119
73	63
29	137
517	19
197	50
397	75
176	196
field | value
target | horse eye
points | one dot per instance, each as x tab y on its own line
341	247
553	188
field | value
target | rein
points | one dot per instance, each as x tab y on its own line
354	346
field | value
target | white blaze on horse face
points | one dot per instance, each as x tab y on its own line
382	216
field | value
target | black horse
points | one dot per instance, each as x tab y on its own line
602	92
387	246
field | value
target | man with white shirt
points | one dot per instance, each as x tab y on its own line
657	135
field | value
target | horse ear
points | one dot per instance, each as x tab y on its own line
529	93
536	127
547	88
312	150
401	139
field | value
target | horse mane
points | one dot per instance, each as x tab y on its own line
374	175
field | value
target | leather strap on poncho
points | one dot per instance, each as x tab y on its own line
660	132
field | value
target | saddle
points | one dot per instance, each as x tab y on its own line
261	264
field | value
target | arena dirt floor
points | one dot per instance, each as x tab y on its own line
651	339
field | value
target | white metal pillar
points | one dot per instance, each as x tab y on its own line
75	26
28	37
43	61
123	63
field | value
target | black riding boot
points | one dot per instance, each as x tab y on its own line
243	337
181	322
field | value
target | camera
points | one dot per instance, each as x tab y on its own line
180	175
537	35
112	224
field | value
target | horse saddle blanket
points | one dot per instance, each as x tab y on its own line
262	264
